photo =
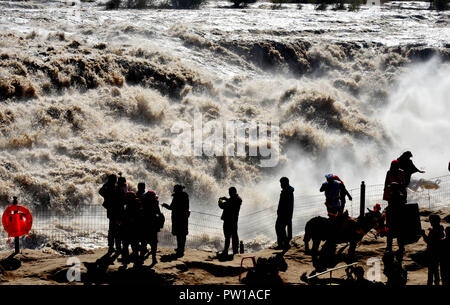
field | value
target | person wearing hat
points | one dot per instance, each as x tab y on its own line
332	189
151	221
180	216
407	165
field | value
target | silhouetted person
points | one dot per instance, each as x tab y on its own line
395	175
16	239
131	229
150	221
140	196
108	192
283	225
445	258
230	215
142	238
395	194
122	187
408	166
433	240
180	216
141	189
332	189
121	191
393	270
343	193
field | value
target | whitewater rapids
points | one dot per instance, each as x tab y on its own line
85	92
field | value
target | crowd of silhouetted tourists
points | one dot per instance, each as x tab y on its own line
135	220
395	193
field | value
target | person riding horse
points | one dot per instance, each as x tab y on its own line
346	230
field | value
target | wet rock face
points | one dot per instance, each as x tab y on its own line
273	55
422	54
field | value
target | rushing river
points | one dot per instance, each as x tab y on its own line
85	92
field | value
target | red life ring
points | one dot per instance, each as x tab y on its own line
17	220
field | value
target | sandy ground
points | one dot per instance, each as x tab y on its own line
50	267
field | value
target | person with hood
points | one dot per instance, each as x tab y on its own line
180	216
343	193
408	166
332	189
113	212
150	222
230	215
283	225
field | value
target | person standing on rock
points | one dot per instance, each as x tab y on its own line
108	192
283	225
434	248
395	195
408	166
121	192
151	221
130	230
230	215
332	189
343	194
445	258
180	217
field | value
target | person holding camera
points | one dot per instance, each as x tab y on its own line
230	216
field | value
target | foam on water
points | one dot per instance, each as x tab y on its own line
84	97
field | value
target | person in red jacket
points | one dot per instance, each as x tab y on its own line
395	176
343	193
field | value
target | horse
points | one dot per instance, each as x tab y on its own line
342	229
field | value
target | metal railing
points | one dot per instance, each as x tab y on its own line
89	228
